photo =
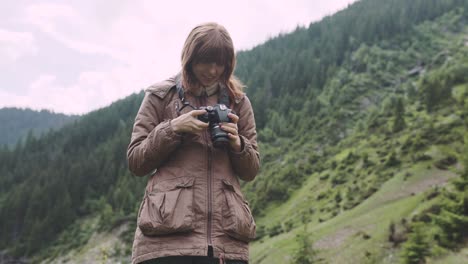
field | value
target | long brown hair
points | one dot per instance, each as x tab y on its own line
210	42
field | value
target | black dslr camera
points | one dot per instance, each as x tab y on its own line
214	115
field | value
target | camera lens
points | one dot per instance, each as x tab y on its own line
219	136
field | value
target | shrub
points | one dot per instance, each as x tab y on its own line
274	230
288	225
392	160
260	232
267	135
338	179
444	163
322	195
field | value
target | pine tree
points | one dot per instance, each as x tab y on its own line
453	218
305	254
398	113
416	249
429	93
462	183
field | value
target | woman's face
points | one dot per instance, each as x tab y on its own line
208	74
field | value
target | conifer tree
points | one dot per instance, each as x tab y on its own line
416	249
398	113
429	92
305	254
453	218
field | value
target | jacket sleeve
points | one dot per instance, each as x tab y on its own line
246	163
152	138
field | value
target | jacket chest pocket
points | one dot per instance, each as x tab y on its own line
168	209
238	221
170	112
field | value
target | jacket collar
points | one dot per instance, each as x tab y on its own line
161	89
178	82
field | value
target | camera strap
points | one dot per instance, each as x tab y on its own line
223	97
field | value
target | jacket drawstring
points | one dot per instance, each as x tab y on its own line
221	259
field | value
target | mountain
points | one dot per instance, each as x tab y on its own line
17	123
362	119
48	183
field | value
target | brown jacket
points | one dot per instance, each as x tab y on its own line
193	198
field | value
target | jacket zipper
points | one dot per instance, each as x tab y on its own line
210	199
203	102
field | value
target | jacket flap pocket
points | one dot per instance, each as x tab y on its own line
172	184
231	187
228	185
186	183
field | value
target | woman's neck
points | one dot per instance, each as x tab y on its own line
208	90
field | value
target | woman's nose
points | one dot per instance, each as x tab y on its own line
213	69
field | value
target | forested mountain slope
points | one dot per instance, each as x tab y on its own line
17	123
383	193
360	117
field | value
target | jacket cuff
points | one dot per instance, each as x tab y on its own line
170	133
166	140
243	152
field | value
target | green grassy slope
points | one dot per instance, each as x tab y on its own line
375	176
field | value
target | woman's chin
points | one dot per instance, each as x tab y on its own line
208	83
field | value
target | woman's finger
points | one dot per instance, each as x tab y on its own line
230	128
196	113
200	124
233	117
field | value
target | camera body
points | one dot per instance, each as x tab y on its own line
214	115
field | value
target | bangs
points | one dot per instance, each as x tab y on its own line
214	49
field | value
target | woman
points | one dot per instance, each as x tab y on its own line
193	210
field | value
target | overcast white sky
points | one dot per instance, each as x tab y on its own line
76	56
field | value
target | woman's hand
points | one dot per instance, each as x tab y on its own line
188	122
233	134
